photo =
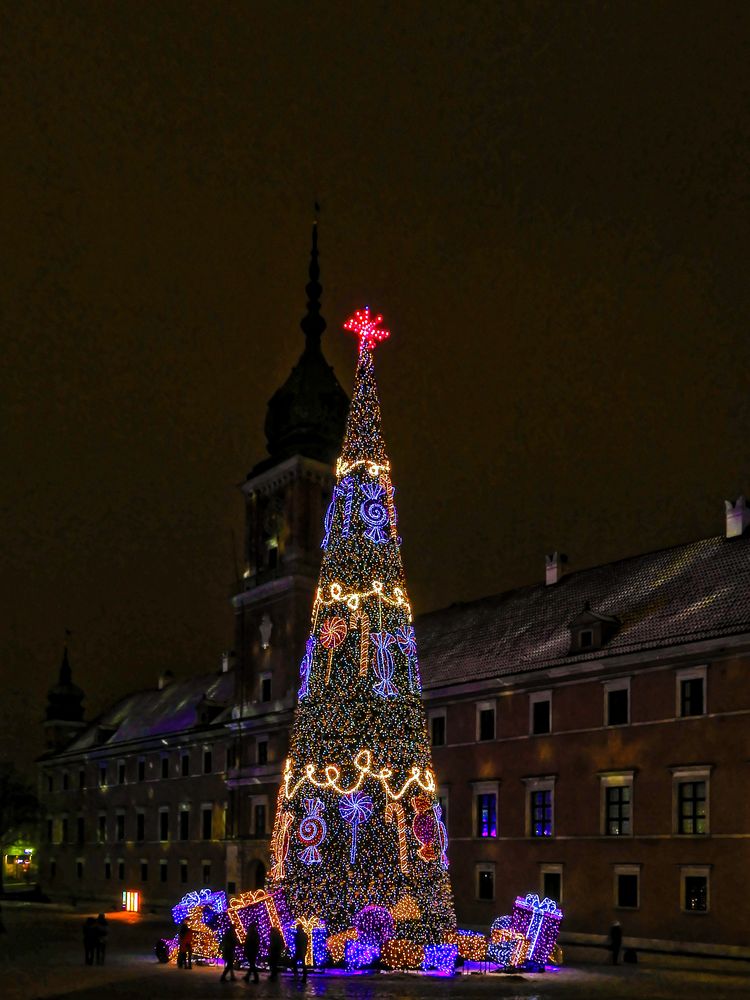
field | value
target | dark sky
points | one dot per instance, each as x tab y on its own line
549	202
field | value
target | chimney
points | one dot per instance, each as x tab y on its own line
737	517
164	679
554	566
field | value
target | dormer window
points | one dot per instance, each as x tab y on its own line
591	630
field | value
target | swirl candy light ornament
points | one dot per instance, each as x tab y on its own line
359	759
312	831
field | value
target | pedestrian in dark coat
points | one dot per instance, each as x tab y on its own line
615	941
250	950
228	947
101	938
275	948
301	941
185	952
89	940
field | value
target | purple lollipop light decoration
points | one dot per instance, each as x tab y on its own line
355	808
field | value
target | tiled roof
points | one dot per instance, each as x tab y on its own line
156	713
678	595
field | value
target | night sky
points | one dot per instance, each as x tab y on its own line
549	202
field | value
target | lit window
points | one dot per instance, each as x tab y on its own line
691	807
694	889
485	808
540	713
616	803
540	806
485	882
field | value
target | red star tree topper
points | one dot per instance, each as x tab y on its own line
366	328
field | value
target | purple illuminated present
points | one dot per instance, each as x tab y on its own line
500	952
201	897
359	955
539	922
264	909
441	957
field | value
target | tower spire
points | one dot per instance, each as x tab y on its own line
313	323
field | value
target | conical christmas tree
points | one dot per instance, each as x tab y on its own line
358	823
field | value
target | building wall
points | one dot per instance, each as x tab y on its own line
655	749
86	799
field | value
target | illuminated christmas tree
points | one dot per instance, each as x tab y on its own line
358	825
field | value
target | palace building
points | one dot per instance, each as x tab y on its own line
590	733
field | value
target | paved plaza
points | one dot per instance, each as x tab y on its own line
41	956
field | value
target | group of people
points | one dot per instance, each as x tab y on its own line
251	948
95	940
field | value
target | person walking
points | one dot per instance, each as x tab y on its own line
228	952
89	940
250	950
275	948
615	941
185	952
100	939
301	941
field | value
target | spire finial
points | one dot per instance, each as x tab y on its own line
313	323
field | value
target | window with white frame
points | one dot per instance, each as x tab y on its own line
540	713
617	702
627	887
551	882
437	724
540	806
485	881
695	888
690	800
616	804
485	808
485	723
691	692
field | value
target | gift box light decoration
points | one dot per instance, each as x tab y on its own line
358	823
538	921
441	957
360	955
265	910
336	944
397	953
472	945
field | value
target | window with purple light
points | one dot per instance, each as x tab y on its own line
487	815
541	813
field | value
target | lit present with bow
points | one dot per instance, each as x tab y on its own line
538	921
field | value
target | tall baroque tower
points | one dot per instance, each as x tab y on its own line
285	495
